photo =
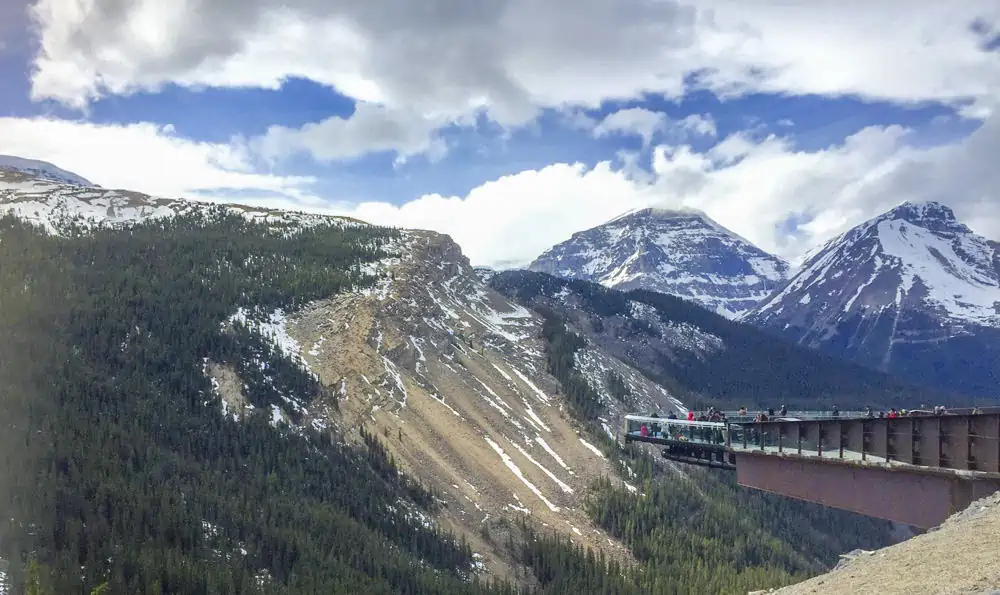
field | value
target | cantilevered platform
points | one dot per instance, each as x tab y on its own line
915	470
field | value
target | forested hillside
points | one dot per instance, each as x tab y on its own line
692	529
120	469
118	465
704	358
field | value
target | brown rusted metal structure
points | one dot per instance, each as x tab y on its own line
916	470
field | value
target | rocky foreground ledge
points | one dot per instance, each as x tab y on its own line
961	556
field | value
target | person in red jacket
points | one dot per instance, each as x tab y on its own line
690	415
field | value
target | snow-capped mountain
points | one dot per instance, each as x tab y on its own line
680	252
58	205
41	169
913	291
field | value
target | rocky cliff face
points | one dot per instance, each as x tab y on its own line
913	291
680	252
452	376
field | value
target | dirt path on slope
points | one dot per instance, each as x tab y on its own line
960	557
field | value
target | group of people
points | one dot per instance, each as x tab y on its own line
716	415
894	413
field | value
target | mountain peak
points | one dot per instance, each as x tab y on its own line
661	212
41	169
680	251
897	289
923	212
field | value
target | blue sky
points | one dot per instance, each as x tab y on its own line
443	116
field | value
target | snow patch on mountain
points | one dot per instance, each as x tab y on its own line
913	291
682	252
41	169
955	272
59	207
914	256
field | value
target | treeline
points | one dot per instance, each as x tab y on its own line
561	348
119	470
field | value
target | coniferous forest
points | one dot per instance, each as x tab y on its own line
119	468
121	474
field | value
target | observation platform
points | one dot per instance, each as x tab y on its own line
916	469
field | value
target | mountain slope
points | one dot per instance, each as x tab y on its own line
913	291
126	471
679	252
309	404
701	357
40	170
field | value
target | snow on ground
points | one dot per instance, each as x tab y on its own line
517	473
592	448
534	419
55	205
551	475
277	416
965	291
544	398
275	330
548	449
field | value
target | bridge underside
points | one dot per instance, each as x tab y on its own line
913	496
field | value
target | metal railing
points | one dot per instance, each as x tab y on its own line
950	441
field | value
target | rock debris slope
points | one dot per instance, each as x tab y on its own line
451	376
681	252
959	557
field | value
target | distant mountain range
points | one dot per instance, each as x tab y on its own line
681	252
913	291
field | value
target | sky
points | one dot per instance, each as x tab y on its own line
511	124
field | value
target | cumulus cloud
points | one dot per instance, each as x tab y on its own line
447	59
636	121
784	200
143	157
370	129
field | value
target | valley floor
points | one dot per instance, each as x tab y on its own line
960	556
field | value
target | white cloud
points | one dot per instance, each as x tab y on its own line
515	218
645	123
700	124
142	157
370	129
636	121
752	187
447	59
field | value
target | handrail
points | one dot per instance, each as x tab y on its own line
669	421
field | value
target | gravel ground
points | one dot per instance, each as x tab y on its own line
962	556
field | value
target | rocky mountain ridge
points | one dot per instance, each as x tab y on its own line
61	205
41	170
913	291
679	252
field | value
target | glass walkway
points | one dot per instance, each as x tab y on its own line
965	439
